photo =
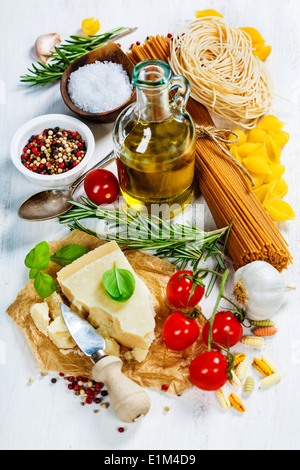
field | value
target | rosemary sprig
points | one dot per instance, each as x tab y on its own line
73	48
182	243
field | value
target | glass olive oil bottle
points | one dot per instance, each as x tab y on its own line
155	140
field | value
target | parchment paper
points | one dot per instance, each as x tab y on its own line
161	365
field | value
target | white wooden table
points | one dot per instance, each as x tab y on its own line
47	416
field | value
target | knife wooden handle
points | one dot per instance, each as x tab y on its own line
127	398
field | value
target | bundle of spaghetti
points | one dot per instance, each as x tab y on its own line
226	77
226	190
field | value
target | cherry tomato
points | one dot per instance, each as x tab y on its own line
179	290
227	330
208	371
101	186
179	332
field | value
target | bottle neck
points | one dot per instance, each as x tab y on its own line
153	103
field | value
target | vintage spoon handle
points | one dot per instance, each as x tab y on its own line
127	398
110	157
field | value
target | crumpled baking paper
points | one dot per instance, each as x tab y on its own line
161	366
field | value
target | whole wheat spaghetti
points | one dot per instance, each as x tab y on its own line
226	190
225	76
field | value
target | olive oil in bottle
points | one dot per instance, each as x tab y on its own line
155	140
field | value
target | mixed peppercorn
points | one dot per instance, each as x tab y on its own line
53	152
91	391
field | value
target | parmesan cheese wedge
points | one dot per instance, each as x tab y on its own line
130	323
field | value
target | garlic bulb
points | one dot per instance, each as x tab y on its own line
259	288
45	45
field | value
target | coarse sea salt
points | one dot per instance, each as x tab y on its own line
99	87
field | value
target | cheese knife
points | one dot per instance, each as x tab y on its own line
129	401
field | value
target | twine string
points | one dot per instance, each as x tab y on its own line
217	135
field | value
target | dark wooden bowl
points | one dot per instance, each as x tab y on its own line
111	53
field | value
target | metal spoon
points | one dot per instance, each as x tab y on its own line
54	202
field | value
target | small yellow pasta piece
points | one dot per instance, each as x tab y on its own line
262	52
262	367
90	26
270	123
273	149
235	381
257	135
241	370
281	137
238	358
258	179
270	363
255	36
241	136
279	210
249	147
249	384
234	152
279	188
254	341
262	323
271	379
236	403
263	192
206	13
223	400
257	164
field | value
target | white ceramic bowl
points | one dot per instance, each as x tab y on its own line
36	126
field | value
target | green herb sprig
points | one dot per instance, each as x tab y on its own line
64	54
182	244
38	260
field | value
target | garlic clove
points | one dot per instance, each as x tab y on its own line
45	46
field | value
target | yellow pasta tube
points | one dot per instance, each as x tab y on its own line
262	367
254	341
271	379
241	370
223	399
263	323
238	358
235	381
270	363
249	384
236	403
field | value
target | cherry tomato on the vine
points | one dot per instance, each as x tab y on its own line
208	371
226	331
101	186
179	290
179	332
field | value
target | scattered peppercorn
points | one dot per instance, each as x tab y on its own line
54	151
121	429
53	381
87	389
164	387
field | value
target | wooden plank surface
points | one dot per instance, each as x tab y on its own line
47	416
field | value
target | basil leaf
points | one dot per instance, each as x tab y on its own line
119	283
44	285
33	272
38	257
68	254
